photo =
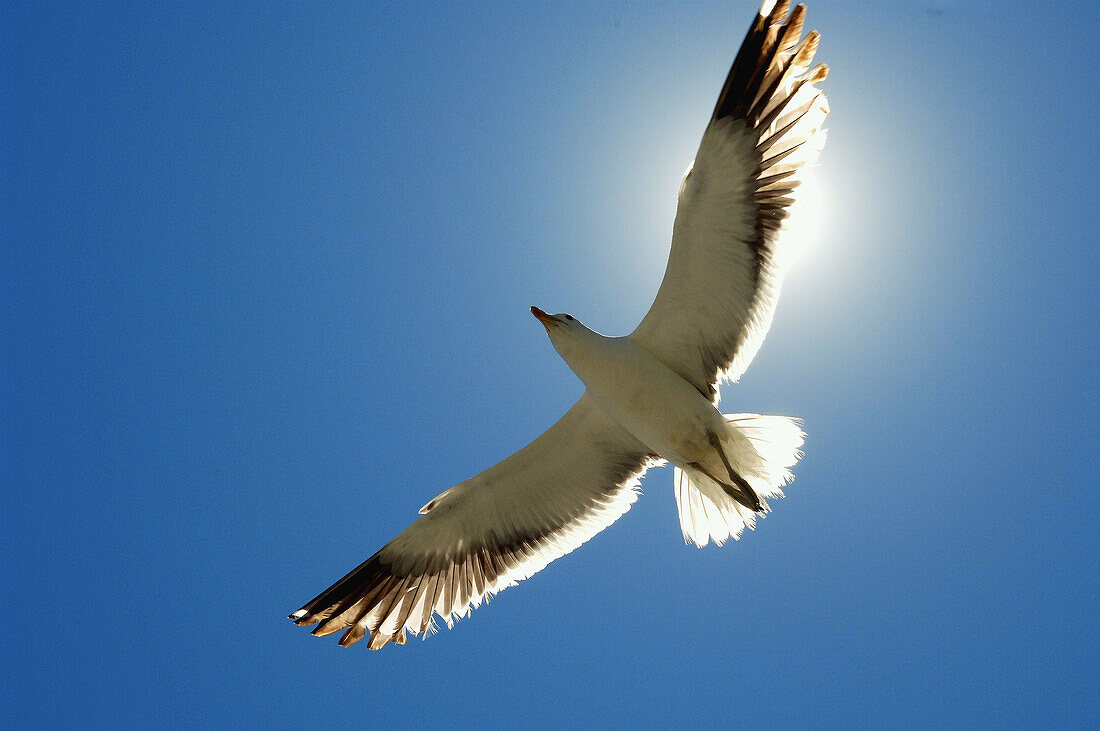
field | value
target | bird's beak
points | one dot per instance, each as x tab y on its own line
548	321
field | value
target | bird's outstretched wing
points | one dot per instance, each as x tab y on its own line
489	532
718	295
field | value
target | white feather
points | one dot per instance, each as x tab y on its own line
761	449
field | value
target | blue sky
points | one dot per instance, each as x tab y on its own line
264	289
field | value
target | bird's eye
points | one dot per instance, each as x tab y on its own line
569	317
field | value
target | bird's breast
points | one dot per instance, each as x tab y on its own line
657	406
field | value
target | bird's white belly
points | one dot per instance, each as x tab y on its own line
661	409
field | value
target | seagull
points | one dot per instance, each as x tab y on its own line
651	396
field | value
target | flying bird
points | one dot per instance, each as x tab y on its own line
650	396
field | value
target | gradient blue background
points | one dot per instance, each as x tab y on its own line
265	278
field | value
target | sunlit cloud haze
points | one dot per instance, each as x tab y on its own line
265	279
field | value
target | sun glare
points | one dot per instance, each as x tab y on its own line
808	221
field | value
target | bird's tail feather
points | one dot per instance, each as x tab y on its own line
761	449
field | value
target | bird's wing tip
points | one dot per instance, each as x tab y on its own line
298	617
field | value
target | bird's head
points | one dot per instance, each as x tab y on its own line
575	343
562	328
558	324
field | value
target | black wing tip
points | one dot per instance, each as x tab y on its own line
300	618
776	29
